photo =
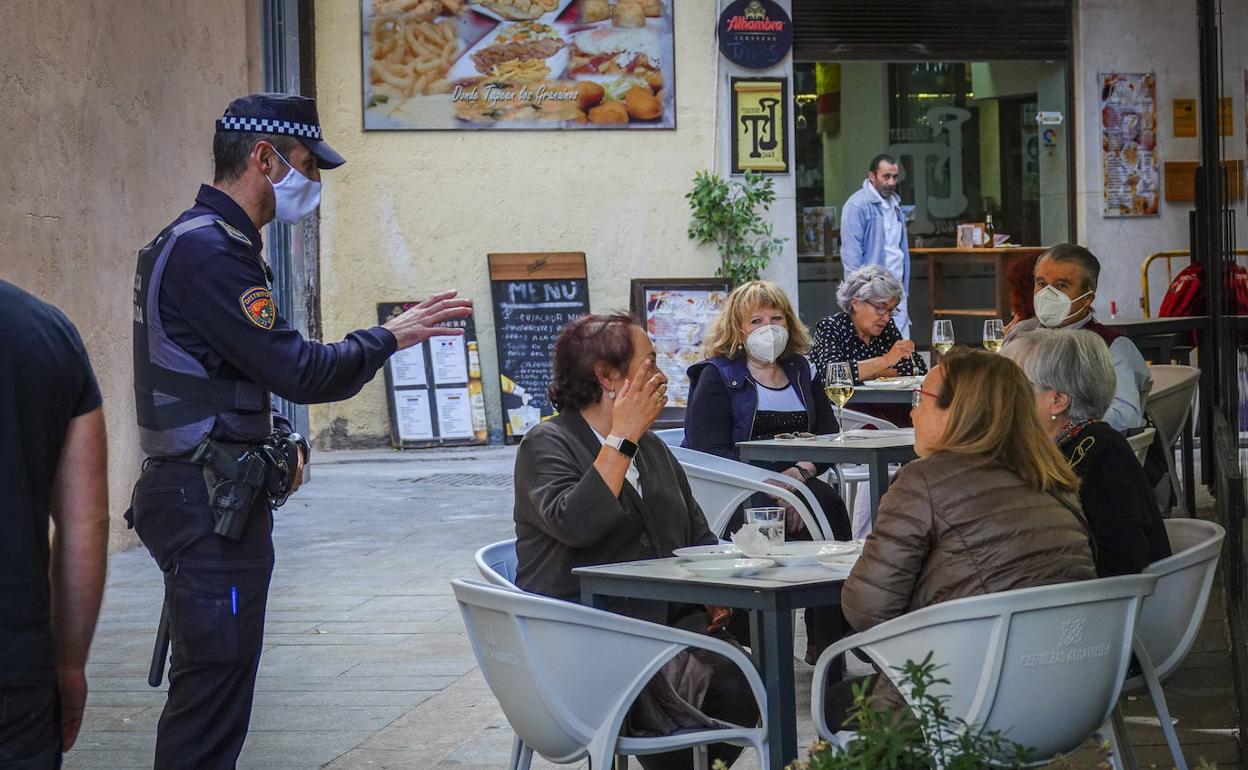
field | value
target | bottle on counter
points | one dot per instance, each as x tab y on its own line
989	231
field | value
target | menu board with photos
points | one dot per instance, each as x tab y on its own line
534	296
677	314
518	64
434	389
1131	178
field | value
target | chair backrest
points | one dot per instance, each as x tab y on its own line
1140	443
1043	665
1171	617
671	436
497	563
720	485
852	420
531	650
1170	400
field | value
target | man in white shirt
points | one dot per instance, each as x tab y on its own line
873	231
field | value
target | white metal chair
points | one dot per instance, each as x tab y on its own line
720	485
497	563
1171	617
1043	665
564	703
671	436
1140	443
852	476
1169	403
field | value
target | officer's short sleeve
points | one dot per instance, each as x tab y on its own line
227	300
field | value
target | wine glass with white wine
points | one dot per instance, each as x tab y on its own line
994	335
838	384
942	335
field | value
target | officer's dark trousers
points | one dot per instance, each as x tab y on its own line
215	592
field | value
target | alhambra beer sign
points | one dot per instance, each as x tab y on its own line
755	33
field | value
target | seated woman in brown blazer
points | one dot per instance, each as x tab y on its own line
595	486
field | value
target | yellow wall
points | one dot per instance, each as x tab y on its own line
415	212
106	132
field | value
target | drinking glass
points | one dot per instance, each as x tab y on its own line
770	523
942	335
994	334
838	384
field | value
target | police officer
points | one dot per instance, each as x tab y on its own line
209	348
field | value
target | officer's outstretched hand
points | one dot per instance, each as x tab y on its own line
420	322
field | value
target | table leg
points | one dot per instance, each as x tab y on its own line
773	651
878	470
1187	441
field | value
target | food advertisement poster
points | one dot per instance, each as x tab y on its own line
534	297
677	314
518	64
1129	145
760	137
434	389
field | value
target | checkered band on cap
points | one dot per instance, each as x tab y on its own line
268	126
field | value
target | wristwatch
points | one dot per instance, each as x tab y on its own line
622	445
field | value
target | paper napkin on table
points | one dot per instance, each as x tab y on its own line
751	541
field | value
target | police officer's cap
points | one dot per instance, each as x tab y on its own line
281	114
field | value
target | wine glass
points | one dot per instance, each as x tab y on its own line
942	335
838	384
994	334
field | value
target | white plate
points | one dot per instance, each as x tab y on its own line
894	383
465	68
703	552
545	18
794	554
720	568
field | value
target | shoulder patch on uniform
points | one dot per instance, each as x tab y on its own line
258	306
234	232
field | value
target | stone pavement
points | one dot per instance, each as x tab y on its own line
366	664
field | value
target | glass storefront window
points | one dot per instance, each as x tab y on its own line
969	145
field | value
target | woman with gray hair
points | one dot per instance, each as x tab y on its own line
864	335
1073	375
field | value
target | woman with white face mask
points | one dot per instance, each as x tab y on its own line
756	384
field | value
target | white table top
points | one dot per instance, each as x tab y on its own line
668	570
892	383
858	438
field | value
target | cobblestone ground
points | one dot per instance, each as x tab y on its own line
366	664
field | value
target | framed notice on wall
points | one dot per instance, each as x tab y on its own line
1130	175
434	389
760	118
534	296
677	313
518	64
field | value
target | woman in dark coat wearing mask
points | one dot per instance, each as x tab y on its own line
756	383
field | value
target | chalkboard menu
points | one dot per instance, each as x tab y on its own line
535	296
434	388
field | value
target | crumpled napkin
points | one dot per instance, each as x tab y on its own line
751	541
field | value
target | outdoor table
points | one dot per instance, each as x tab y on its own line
872	448
882	394
770	602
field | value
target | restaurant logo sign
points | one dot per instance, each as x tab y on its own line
760	120
755	33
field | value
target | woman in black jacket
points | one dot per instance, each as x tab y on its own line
1073	375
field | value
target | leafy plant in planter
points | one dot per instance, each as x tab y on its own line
730	215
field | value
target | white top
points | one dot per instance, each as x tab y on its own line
632	475
779	400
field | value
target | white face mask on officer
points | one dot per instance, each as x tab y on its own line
1053	306
296	196
766	343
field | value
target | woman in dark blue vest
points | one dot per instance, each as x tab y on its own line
756	383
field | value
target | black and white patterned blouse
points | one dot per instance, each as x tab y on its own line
836	339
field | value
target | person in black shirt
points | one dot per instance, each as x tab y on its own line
1074	378
53	452
865	335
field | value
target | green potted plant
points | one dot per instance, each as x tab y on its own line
730	215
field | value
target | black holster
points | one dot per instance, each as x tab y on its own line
236	474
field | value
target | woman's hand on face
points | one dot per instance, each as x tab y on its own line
901	350
638	403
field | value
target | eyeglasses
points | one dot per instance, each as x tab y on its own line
916	395
882	310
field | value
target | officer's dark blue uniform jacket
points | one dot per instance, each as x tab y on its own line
214	300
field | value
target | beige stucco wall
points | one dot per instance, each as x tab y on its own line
414	212
106	131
